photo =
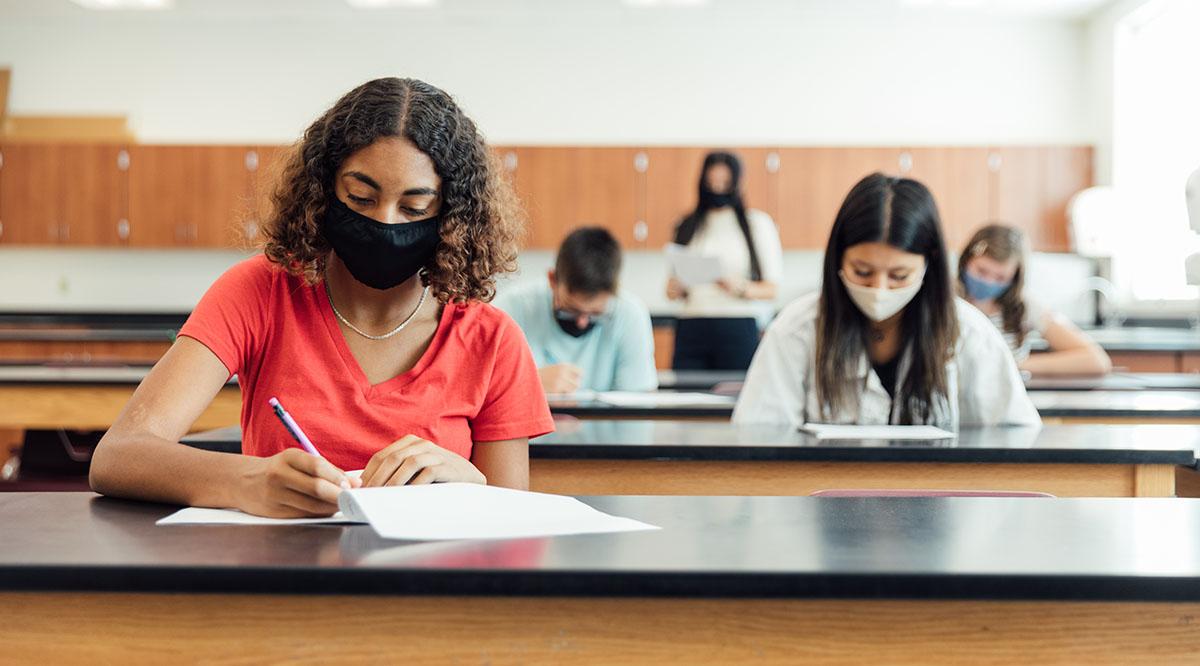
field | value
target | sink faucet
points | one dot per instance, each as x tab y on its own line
1110	315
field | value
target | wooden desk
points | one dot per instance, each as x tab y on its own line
734	580
87	397
1117	406
627	457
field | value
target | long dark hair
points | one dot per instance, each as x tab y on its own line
687	228
900	212
1002	243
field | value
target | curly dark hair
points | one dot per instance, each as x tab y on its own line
481	219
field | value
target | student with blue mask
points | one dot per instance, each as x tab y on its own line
991	274
583	333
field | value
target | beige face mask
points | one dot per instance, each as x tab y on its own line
879	304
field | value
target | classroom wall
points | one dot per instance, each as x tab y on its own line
856	72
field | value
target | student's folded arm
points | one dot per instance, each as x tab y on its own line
1072	352
140	456
774	390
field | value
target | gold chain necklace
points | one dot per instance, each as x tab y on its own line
385	336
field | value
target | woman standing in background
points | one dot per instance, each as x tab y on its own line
991	274
718	327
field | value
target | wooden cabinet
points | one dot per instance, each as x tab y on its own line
1030	187
814	181
672	180
218	196
605	192
563	188
958	180
266	164
189	196
63	194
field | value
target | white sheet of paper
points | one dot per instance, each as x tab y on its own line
473	511
662	399
442	511
197	516
828	431
693	269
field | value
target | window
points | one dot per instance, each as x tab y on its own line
1156	145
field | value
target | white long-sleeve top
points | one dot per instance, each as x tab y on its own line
985	387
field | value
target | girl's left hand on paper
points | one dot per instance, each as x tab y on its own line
413	461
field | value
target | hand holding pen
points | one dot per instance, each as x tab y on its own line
296	482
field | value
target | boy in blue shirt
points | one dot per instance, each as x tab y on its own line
584	335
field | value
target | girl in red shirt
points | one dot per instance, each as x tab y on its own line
366	315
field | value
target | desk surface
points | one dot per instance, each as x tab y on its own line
704	380
1109	549
98	374
1133	404
697	440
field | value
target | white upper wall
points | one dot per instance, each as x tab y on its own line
844	72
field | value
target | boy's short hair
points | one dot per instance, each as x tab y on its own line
589	261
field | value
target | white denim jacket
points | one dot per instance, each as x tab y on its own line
984	384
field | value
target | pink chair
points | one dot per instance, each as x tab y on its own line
870	492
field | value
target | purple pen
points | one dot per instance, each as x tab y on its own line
293	428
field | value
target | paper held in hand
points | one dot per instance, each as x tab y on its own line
443	511
693	269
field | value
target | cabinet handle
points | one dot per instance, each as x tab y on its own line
66	232
251	230
641	162
123	160
251	160
1	230
1	159
641	231
905	162
510	161
773	162
123	229
994	162
192	232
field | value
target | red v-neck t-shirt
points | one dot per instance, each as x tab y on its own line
476	382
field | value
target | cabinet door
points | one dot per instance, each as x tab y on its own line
95	201
1030	188
605	193
673	183
190	196
30	189
266	165
958	179
672	177
814	181
542	179
63	194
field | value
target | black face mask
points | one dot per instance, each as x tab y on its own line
570	325
379	255
710	199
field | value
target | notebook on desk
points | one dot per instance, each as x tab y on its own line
906	432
